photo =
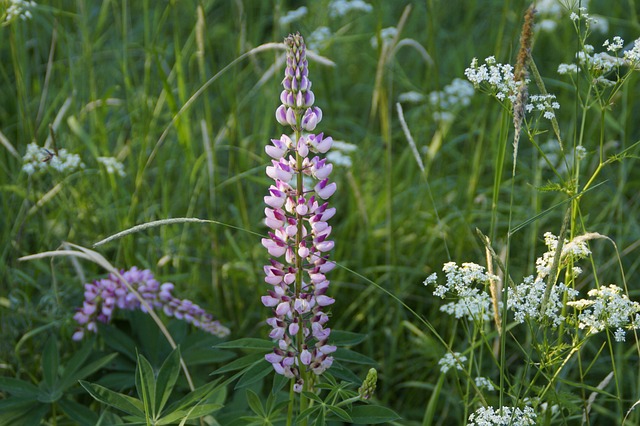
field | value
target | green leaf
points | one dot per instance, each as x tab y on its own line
18	387
340	413
77	360
192	413
118	341
117	400
199	394
342	373
247	343
346	338
78	413
22	412
50	362
167	377
146	385
372	414
348	355
254	403
256	372
240	363
74	374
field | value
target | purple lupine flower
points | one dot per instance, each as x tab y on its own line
103	297
298	229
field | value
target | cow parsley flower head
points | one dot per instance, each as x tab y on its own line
112	165
452	360
607	307
465	283
338	8
38	159
495	78
503	416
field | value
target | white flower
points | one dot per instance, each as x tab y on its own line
63	161
497	79
20	9
318	39
386	35
410	97
112	165
484	383
339	8
339	154
454	96
608	307
293	15
615	45
450	360
568	69
488	416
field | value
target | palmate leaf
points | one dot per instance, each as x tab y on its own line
256	372
146	385
22	411
372	414
17	387
50	363
117	400
167	377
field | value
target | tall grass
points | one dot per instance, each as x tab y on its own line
113	78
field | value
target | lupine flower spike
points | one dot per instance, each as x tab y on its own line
103	297
297	216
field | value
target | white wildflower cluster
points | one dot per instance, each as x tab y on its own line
462	281
581	152
452	360
484	383
340	154
339	8
112	165
608	307
615	45
497	78
573	250
545	104
564	69
503	416
318	39
632	56
455	95
293	15
19	9
386	35
411	97
37	159
526	298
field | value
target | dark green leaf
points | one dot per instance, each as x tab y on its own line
346	338
247	343
340	413
254	403
167	377
372	414
348	355
117	400
18	387
342	373
256	372
50	362
146	385
72	376
206	355
192	413
78	413
239	363
22	412
118	341
199	394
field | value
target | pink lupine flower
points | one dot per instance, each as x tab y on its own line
298	229
103	297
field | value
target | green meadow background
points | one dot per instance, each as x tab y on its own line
110	78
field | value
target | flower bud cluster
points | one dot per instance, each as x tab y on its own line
103	297
297	215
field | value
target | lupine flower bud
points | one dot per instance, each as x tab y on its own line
299	229
369	384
